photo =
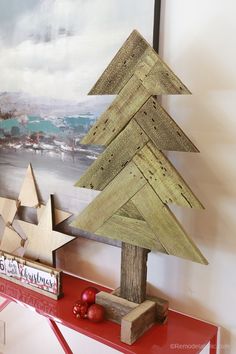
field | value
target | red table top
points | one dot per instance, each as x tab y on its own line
181	334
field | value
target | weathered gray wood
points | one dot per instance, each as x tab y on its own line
114	158
122	67
135	54
133	273
129	210
161	128
164	224
137	322
111	199
161	80
162	306
117	116
116	307
164	178
134	231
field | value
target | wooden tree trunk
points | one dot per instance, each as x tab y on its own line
133	273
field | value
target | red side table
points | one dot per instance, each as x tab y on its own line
181	334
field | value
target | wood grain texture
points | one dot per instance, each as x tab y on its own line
42	240
119	113
162	129
111	199
116	307
8	209
164	178
161	80
122	67
129	210
133	231
167	228
59	215
137	322
133	278
114	158
135	54
10	241
28	194
162	306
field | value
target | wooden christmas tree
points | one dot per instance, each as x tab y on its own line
136	179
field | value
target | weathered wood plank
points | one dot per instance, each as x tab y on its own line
114	158
116	307
161	80
133	231
162	306
164	178
133	278
113	197
122	66
164	224
161	128
135	54
129	210
137	322
119	113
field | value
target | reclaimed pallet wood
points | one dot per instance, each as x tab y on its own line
162	129
115	158
162	81
164	178
28	194
127	63
167	228
8	209
119	113
121	68
113	197
162	306
116	307
42	240
133	231
137	322
129	210
133	279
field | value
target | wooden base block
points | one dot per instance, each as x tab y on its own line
116	307
135	319
138	321
162	306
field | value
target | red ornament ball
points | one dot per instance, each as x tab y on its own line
80	309
96	313
89	295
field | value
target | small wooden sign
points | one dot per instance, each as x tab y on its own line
33	275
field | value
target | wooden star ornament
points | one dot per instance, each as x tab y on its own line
42	240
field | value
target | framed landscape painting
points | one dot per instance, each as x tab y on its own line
51	54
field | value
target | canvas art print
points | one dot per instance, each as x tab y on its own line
51	54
